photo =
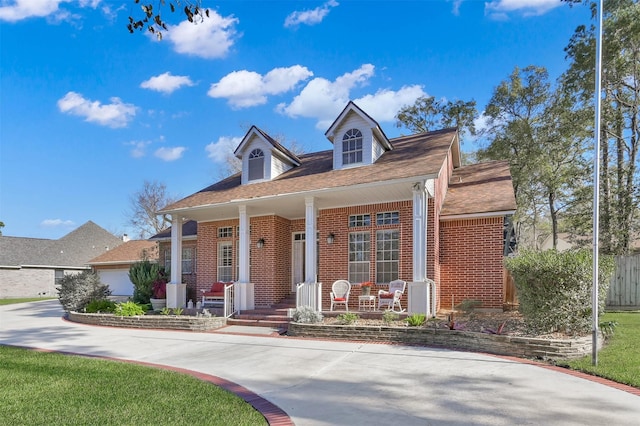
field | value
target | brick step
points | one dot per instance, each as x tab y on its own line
267	311
260	316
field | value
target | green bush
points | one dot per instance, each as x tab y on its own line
143	274
77	290
129	309
347	318
306	315
389	316
100	306
554	288
416	320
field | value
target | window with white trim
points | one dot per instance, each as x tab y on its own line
225	261
256	164
358	220
352	147
188	260
387	255
359	256
225	232
388	218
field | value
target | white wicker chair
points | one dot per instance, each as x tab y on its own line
340	294
391	299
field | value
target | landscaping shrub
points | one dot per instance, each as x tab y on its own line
100	306
416	320
554	288
143	274
389	317
129	309
77	290
306	315
347	318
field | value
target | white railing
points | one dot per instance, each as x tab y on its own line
309	294
229	305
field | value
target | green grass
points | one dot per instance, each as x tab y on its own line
48	389
619	360
23	300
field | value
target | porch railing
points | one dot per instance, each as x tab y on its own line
309	294
229	302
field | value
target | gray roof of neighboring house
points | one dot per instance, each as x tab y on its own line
74	249
189	229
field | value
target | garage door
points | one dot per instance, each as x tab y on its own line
118	281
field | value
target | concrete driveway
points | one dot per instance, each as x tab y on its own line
345	383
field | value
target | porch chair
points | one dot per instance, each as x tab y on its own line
215	295
340	294
391	299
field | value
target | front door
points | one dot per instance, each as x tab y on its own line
298	251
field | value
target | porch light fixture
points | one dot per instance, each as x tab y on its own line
330	238
260	243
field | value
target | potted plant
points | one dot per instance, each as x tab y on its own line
159	292
366	288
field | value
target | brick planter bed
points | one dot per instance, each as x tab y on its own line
522	347
166	322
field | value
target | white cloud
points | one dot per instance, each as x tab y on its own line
138	149
170	154
221	150
500	9
323	99
116	114
310	17
53	223
385	104
166	83
17	10
210	38
456	7
244	89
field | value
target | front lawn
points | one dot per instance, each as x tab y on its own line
24	300
619	360
54	389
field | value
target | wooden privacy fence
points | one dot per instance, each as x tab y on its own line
624	290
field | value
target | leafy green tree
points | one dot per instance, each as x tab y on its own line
533	125
620	126
428	113
78	290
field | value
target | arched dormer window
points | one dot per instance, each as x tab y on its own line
256	164
352	147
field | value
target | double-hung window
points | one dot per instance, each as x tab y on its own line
225	261
387	255
359	256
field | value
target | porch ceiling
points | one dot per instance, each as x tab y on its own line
292	205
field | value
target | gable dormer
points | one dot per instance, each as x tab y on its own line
357	139
263	158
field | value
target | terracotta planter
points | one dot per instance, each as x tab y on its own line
158	304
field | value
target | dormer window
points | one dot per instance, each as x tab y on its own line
352	147
256	164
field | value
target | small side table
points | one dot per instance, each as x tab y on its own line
366	303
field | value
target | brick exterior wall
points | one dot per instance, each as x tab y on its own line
189	279
471	259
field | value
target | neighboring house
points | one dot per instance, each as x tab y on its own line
31	267
375	209
113	266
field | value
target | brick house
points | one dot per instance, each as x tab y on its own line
379	209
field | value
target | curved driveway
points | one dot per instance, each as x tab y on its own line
345	383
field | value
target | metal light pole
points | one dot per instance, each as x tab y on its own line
596	188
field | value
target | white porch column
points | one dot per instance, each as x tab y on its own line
311	255
176	291
244	294
420	200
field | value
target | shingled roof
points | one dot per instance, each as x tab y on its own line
73	250
129	252
479	189
420	155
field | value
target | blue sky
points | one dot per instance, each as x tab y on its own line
89	111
